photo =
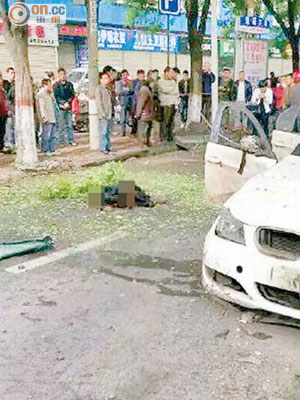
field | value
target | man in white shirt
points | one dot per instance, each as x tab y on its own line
243	95
168	95
263	98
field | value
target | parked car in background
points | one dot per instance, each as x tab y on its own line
78	76
252	252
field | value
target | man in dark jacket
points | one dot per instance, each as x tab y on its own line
9	87
243	89
243	95
226	86
64	93
3	113
124	92
136	86
184	91
208	78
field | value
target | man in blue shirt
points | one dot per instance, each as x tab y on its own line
208	78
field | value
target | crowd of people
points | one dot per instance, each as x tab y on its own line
54	104
272	96
140	103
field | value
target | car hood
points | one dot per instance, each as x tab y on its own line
271	199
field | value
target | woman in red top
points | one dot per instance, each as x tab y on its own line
3	113
279	95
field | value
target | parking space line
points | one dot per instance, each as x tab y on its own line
44	260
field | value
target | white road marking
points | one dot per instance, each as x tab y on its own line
39	262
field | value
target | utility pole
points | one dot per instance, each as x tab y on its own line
215	57
92	21
168	29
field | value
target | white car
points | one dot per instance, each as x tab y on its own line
252	252
78	76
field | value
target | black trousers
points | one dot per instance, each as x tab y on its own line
184	108
134	128
168	122
2	131
206	106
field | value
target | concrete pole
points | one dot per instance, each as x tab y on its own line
215	57
168	29
93	72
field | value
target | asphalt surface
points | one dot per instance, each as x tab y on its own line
130	321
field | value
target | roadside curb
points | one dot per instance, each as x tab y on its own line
152	151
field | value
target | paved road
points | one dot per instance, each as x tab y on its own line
128	321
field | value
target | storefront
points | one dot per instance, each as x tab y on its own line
71	38
42	50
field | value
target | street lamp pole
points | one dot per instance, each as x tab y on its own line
215	57
92	14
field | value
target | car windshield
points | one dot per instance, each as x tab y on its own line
75	76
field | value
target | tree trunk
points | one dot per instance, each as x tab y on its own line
196	38
196	54
192	10
17	43
296	55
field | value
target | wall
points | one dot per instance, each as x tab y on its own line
134	60
280	66
66	55
41	59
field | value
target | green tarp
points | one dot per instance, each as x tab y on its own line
8	250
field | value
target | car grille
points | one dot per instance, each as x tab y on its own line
280	296
280	244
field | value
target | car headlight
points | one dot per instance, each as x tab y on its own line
230	228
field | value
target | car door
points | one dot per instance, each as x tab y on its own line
285	137
229	163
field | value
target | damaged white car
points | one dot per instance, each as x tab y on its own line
252	252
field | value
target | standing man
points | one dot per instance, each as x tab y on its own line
64	93
168	96
155	75
208	78
104	108
136	86
263	98
289	83
124	92
145	112
184	91
243	95
226	86
47	114
294	96
9	87
3	113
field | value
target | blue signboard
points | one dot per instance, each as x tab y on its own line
82	55
133	40
255	25
171	7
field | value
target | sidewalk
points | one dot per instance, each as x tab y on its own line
73	158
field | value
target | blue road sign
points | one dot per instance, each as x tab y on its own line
169	7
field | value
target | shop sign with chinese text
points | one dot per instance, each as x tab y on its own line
131	40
